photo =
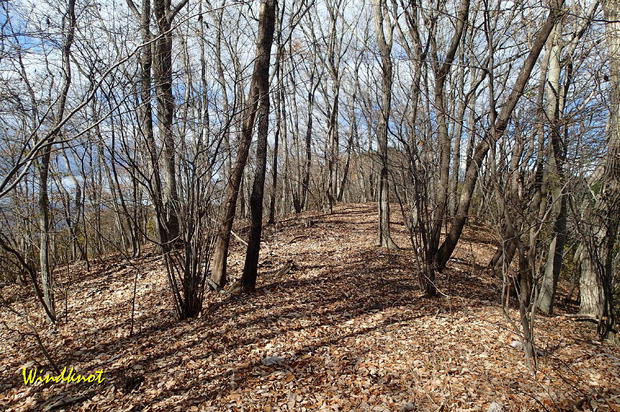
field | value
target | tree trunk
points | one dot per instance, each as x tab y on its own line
601	232
445	141
556	180
261	70
592	296
162	73
610	206
47	278
497	130
280	124
524	281
305	185
265	39
384	40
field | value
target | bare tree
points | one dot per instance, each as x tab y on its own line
165	13
601	229
497	130
384	29
259	86
557	180
266	29
69	23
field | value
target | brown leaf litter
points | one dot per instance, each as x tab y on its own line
344	327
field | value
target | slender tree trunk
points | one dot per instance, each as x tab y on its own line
265	39
44	166
524	279
445	141
162	73
471	173
384	39
280	124
352	137
305	185
257	88
274	174
47	279
556	180
333	138
146	122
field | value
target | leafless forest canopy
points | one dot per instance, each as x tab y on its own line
192	131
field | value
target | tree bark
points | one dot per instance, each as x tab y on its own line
162	73
47	278
280	122
305	185
591	293
471	173
556	179
384	40
260	72
610	199
265	40
445	141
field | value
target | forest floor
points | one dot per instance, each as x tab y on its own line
346	328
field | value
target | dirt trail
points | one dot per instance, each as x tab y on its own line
344	328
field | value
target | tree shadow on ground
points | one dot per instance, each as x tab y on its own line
338	294
373	281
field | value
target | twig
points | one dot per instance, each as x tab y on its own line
133	302
34	333
239	238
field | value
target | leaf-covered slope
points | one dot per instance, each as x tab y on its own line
336	324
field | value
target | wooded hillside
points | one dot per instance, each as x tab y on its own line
335	324
402	183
